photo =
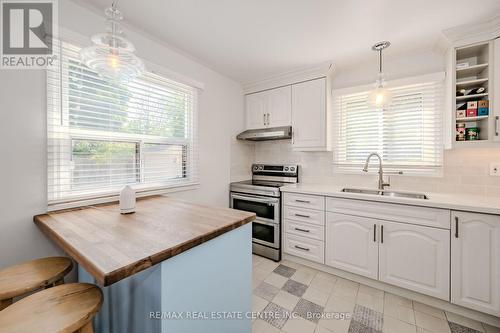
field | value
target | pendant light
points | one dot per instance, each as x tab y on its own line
380	97
111	55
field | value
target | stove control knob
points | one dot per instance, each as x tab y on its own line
286	168
292	169
261	168
255	168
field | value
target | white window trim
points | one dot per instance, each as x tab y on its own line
435	172
142	190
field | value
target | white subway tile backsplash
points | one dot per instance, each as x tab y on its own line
465	170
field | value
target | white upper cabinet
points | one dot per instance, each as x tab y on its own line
279	107
415	258
475	261
270	108
351	244
310	115
256	110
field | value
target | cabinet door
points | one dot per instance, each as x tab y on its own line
351	244
309	121
495	91
415	258
279	107
475	261
256	108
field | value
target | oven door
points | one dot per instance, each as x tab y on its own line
267	209
266	233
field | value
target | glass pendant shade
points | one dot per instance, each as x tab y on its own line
111	55
380	96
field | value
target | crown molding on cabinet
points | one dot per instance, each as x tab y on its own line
287	78
474	32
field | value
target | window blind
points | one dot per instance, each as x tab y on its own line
407	134
103	135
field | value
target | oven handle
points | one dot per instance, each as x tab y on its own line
256	199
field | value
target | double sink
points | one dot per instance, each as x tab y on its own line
386	193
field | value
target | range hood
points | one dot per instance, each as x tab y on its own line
264	134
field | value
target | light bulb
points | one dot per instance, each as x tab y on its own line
113	61
380	97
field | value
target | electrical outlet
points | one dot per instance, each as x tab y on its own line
495	169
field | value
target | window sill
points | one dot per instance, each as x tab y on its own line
114	197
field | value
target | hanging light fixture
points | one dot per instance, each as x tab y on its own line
111	55
380	97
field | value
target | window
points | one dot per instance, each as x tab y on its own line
104	135
408	134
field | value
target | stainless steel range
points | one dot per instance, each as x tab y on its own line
261	195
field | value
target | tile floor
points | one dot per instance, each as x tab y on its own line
298	299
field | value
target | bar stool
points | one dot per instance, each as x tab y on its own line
32	275
65	308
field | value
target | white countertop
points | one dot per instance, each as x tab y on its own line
470	203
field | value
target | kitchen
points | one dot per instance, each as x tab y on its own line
362	166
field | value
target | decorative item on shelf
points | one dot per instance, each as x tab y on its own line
483	108
477	91
472	109
127	200
472	133
467	92
461	113
380	97
463	65
111	55
460	131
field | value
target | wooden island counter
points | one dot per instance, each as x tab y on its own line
208	268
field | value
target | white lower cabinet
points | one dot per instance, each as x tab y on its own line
475	263
416	258
306	248
351	244
405	255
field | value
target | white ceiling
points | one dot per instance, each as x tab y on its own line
253	39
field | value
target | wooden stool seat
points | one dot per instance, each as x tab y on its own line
29	276
65	308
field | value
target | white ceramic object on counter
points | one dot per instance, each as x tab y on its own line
127	200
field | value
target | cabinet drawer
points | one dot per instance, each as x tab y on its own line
305	230
306	248
431	217
305	201
304	215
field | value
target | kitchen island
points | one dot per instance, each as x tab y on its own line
205	285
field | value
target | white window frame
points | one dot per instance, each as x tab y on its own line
60	115
340	166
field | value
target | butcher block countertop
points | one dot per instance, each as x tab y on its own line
111	246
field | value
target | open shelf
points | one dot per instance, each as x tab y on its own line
471	71
472	118
466	98
471	83
476	74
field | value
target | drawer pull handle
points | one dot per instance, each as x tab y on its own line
375	233
302	215
302	201
303	230
382	234
456	226
301	248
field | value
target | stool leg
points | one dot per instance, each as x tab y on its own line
5	303
87	328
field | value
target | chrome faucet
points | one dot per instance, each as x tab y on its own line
381	183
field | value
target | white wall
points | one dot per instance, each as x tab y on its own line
466	171
23	137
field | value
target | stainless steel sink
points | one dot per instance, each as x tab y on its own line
396	194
